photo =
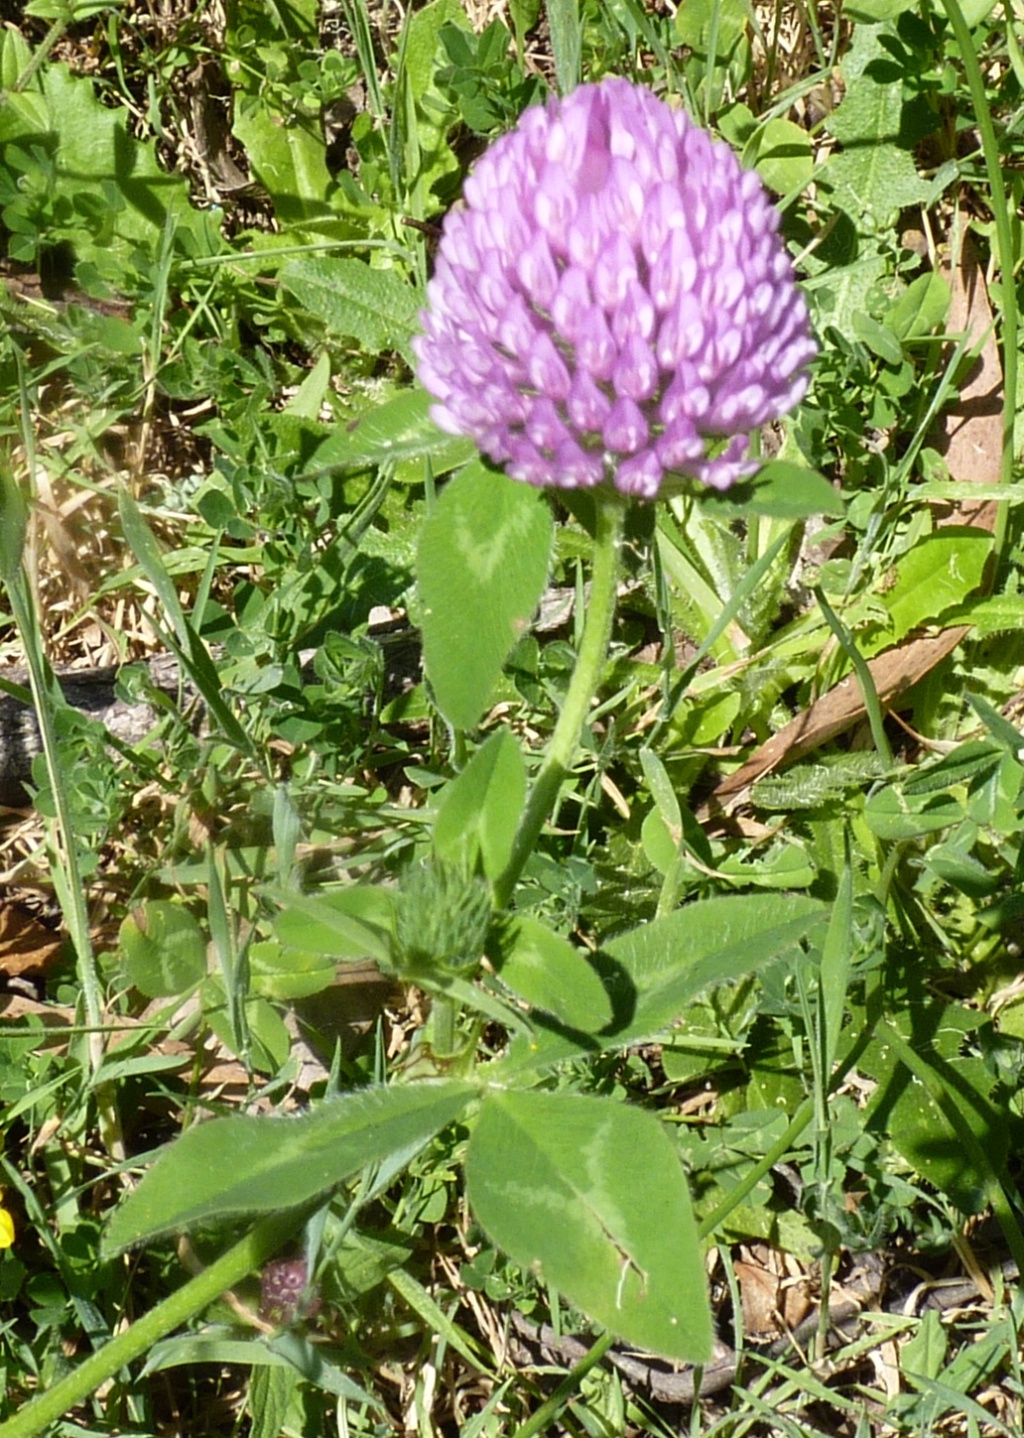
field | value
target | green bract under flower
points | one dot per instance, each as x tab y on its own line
613	301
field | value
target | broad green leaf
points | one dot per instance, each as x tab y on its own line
589	1195
308	399
968	763
924	1355
376	308
962	871
1007	734
845	287
879	339
667	963
289	157
483	562
994	800
874	182
873	177
565	26
276	1354
653	974
479	810
15	55
270	1395
94	157
919	1127
892	816
783	156
430	114
660	842
352	923
401	429
696	21
524	14
873	101
921	309
421	46
999	614
786	865
266	1037
783	491
363	1260
255	1165
164	949
873	12
978	780
211	1347
281	973
550	974
946	1120
974	11
662	790
940	571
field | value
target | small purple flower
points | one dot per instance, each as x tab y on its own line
613	301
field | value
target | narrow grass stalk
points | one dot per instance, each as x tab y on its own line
250	1253
797	1124
863	673
1004	247
551	1407
66	873
611	514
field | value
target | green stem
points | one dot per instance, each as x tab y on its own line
550	1409
1004	246
611	513
442	1026
250	1253
749	1182
803	1116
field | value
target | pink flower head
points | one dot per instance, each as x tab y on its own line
613	301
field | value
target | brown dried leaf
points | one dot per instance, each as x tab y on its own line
759	1293
970	435
893	672
18	1006
774	1291
26	945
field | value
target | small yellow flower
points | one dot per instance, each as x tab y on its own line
6	1228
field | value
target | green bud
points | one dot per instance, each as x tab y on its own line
442	921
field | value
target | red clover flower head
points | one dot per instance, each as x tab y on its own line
613	301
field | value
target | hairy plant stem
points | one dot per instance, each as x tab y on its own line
40	54
611	508
253	1250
